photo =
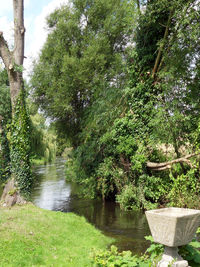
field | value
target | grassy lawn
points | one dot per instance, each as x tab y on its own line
30	236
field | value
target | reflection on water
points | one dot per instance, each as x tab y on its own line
53	193
50	189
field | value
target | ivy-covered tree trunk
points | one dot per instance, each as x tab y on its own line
19	138
4	152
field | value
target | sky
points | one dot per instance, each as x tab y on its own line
35	12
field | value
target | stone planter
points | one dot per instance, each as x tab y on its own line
173	227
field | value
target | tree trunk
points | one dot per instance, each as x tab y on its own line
138	7
158	58
15	68
13	61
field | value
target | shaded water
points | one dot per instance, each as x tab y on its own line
52	192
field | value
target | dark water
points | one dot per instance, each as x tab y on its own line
52	192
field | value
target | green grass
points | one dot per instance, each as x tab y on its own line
41	161
30	236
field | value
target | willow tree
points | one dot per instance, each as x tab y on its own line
81	61
20	181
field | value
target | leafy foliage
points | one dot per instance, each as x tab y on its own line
82	57
43	141
184	191
5	112
123	86
114	258
20	145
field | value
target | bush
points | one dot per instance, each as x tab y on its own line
146	193
184	191
128	199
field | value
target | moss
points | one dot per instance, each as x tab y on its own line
12	192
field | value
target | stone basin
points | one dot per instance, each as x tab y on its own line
173	227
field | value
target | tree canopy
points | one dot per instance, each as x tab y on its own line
120	79
81	59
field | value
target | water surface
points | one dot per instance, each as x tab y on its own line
52	192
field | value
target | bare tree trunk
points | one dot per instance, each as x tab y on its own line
13	61
14	72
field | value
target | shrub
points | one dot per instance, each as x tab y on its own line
114	258
184	190
128	199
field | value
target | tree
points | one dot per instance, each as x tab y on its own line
19	137
177	77
81	58
156	110
122	103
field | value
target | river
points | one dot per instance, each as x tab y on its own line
52	192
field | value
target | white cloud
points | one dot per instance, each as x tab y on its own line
36	34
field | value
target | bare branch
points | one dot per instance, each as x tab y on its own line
5	54
168	164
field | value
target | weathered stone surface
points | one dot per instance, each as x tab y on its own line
173	227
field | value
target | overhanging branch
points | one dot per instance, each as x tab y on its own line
168	164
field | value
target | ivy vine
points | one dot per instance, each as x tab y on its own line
4	155
20	148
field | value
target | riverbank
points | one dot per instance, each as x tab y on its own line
52	192
31	236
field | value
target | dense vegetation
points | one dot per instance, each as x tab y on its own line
19	128
112	257
43	140
120	79
5	114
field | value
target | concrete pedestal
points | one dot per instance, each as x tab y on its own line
173	227
172	258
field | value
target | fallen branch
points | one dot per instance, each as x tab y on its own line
168	164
